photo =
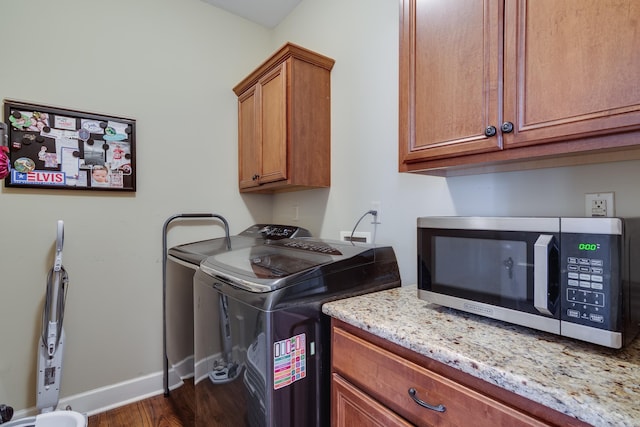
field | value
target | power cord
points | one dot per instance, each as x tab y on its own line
375	222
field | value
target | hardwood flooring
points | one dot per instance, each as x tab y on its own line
158	411
222	405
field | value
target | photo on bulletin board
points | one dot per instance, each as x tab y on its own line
57	148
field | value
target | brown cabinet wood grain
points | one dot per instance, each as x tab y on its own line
352	407
284	123
372	379
549	78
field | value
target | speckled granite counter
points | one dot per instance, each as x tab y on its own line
594	384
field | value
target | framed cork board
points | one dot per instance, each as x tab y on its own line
57	148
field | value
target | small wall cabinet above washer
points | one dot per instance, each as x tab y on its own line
284	123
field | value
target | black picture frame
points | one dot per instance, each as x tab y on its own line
59	148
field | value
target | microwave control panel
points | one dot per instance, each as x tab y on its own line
589	275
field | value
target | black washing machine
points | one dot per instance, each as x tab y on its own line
262	343
179	266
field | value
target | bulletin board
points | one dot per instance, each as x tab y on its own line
64	149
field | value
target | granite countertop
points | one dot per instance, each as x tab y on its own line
595	384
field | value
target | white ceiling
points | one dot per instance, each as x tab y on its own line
268	13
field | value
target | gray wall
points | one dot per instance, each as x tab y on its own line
171	65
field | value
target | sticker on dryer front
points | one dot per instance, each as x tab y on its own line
289	361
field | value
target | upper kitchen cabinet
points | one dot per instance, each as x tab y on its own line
504	84
284	123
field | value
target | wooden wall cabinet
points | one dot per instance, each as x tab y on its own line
498	81
284	123
372	378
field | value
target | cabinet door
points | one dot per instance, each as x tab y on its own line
572	69
449	77
388	379
274	125
249	146
351	407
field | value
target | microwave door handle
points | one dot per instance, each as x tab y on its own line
541	250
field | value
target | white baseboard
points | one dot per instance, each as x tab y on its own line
115	395
183	369
112	396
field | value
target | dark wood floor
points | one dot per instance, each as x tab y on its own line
179	409
158	411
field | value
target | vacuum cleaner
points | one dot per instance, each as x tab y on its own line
51	347
50	353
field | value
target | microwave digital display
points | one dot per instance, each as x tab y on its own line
588	246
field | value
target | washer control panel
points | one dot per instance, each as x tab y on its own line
275	231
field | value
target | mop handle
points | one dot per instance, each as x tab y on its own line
57	266
55	290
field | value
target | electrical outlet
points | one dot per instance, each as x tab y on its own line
599	204
358	236
377	206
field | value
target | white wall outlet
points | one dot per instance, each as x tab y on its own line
377	206
599	204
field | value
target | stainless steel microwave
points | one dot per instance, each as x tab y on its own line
575	277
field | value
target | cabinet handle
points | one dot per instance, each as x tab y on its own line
412	393
255	177
507	127
490	131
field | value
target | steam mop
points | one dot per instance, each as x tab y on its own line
51	347
50	354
